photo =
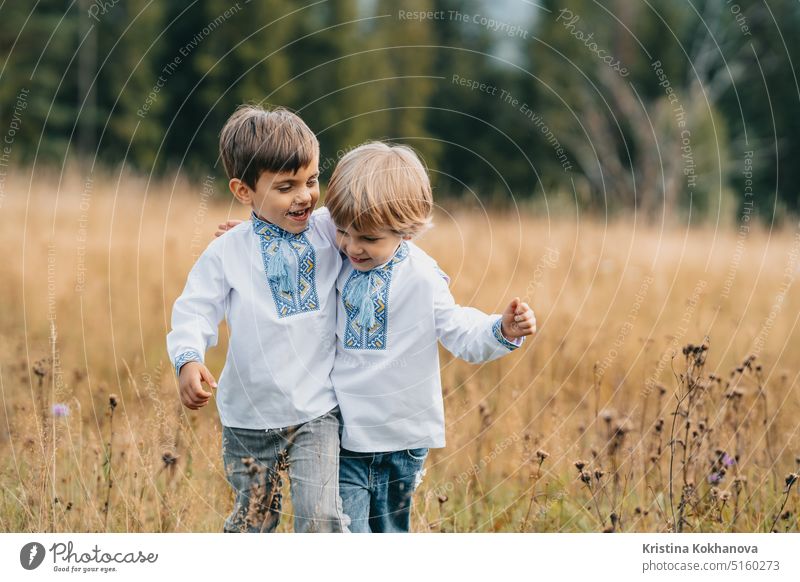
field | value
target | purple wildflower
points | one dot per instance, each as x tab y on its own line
715	478
60	410
727	460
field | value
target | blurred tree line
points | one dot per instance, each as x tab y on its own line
625	104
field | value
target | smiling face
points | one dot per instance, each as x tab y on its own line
378	196
367	250
286	199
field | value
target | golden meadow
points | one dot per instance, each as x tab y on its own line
660	394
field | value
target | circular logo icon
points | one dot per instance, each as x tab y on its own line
31	555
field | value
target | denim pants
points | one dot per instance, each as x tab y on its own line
310	451
377	488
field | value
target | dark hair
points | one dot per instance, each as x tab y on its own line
255	140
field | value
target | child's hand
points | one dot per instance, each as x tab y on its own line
224	227
518	320
190	384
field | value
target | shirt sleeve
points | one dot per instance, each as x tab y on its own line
466	332
198	312
322	217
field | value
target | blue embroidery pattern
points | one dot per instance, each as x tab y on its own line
186	357
303	298
357	337
498	334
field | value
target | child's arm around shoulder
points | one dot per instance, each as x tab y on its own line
323	221
196	316
471	334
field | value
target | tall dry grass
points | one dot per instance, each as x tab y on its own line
604	421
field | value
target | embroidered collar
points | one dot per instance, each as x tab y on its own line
264	228
366	301
399	255
290	266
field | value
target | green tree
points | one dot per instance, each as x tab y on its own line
242	55
761	107
38	45
395	77
125	116
486	146
640	117
334	88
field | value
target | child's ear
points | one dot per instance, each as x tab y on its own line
241	191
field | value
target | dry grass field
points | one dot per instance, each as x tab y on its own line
606	421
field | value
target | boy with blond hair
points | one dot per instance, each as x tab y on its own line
273	279
394	308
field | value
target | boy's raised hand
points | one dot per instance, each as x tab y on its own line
224	227
518	320
193	374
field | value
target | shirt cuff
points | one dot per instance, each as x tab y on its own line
497	331
184	358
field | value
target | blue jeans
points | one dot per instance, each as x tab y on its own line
377	488
253	461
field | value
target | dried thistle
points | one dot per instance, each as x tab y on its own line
40	369
791	479
622	428
251	466
169	459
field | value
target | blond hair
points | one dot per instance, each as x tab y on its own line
378	186
255	140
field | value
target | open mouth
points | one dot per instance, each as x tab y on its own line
357	261
299	215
